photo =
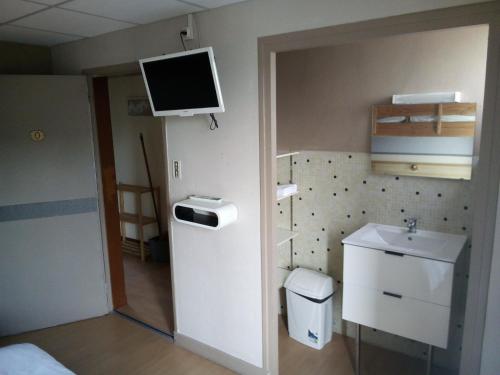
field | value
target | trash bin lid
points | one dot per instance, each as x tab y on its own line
310	283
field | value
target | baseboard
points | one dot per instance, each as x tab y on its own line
217	356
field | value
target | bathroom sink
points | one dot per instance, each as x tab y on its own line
425	244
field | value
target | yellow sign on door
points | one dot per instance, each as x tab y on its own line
37	135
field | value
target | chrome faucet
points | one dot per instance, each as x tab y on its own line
412	225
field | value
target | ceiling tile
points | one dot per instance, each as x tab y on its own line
73	23
11	9
214	3
144	11
29	36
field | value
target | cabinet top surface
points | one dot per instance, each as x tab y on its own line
425	244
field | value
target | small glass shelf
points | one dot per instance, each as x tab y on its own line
284	235
287	196
284	154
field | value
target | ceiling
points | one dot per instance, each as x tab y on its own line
51	22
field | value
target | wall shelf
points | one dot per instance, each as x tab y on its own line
138	218
413	130
284	235
287	196
135	219
435	128
284	154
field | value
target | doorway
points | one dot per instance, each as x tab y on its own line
484	176
333	160
132	153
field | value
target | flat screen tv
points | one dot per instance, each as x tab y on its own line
183	84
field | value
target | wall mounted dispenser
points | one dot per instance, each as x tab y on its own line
205	213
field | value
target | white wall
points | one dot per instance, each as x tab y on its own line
129	161
490	360
218	274
331	89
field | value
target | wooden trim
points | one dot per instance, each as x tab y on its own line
486	178
388	110
108	174
423	129
168	214
395	168
439	125
426	129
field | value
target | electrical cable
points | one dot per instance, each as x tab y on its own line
213	124
181	34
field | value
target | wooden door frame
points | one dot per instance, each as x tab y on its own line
486	177
97	79
113	257
109	198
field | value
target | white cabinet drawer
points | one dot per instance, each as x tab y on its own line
407	317
420	278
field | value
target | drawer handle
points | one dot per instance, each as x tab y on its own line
394	253
392	295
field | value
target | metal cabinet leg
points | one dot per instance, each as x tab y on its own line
357	365
429	361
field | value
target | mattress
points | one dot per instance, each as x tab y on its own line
28	359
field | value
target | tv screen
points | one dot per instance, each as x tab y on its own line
183	83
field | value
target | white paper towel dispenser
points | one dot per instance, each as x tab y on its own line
209	214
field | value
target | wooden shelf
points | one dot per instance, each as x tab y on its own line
451	171
133	188
436	128
426	129
134	248
138	218
134	219
390	110
284	235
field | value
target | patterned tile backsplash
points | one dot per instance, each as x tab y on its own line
338	194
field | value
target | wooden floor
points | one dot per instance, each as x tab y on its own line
337	357
115	345
149	292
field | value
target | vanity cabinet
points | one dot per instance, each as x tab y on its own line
402	294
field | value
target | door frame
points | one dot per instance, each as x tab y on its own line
110	223
486	174
108	197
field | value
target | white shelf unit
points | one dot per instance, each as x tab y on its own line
286	235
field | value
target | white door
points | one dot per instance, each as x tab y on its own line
51	260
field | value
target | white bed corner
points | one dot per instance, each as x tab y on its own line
28	359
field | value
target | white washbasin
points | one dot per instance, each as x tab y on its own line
427	244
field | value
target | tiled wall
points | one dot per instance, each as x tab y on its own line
338	195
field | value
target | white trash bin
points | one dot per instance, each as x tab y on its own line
309	301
